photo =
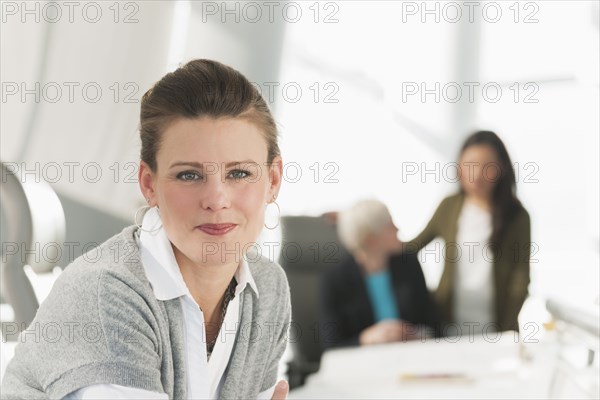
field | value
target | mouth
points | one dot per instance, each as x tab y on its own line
216	229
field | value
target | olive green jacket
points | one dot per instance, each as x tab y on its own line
510	264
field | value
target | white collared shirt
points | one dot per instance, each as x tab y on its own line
205	377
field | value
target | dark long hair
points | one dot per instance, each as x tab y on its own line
505	205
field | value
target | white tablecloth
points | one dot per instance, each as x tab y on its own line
487	369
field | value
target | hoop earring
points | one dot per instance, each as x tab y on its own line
139	226
278	214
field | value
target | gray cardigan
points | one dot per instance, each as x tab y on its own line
101	323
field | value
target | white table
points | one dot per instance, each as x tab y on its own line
492	370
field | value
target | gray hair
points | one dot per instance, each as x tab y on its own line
359	221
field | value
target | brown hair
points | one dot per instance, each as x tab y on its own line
505	204
202	88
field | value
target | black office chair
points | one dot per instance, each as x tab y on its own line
309	244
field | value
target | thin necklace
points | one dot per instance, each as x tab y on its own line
229	294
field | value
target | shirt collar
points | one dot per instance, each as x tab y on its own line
161	266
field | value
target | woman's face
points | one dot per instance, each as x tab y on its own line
479	170
211	186
386	240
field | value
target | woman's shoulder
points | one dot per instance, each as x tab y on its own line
521	217
453	199
271	283
101	291
117	255
448	207
522	211
266	272
109	269
102	319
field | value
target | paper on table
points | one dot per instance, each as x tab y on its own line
450	377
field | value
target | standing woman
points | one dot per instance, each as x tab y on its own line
182	306
488	239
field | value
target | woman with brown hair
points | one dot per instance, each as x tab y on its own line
487	242
180	305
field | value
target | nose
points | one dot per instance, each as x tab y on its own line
481	176
471	174
214	194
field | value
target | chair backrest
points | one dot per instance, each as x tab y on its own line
33	232
309	244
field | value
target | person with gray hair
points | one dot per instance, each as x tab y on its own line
377	295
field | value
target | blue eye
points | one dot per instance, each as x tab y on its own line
188	176
239	174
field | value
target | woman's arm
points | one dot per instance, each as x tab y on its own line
106	391
520	274
101	331
283	318
430	232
